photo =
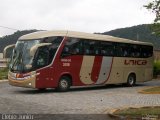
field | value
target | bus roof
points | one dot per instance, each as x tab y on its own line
43	34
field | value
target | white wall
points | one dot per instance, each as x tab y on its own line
2	61
1	55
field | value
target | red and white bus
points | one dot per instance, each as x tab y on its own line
60	59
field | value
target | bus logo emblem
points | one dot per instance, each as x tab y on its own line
135	62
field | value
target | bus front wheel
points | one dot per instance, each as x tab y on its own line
131	80
64	84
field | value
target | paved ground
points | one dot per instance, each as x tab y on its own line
75	104
97	100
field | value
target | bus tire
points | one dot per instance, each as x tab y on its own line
131	81
64	84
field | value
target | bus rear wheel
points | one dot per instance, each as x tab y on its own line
64	84
131	81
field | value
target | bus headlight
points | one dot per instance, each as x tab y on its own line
18	76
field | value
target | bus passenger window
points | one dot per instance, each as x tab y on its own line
107	49
86	47
86	51
125	53
146	51
52	48
72	47
103	52
77	47
97	52
52	52
66	49
75	51
95	48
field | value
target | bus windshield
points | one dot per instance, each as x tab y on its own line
21	55
22	61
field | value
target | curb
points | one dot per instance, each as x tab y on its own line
112	115
117	117
120	117
144	92
3	81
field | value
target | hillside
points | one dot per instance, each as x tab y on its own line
140	32
11	39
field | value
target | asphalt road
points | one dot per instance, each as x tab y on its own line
92	100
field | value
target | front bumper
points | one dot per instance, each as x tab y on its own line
28	81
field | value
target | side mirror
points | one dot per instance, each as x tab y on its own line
7	52
35	47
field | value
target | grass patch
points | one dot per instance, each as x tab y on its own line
3	73
139	112
156	68
153	90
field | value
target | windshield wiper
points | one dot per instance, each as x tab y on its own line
14	60
17	61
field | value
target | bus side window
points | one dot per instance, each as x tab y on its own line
86	47
76	48
93	48
89	47
119	50
107	49
136	51
53	48
103	51
72	47
97	48
150	52
97	51
147	51
66	49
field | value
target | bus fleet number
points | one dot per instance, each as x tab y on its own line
66	64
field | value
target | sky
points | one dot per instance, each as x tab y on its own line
78	15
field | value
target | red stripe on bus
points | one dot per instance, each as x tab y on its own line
96	68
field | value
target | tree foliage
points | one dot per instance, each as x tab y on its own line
154	7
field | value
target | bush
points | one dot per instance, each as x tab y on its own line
156	68
3	73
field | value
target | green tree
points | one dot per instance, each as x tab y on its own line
154	7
